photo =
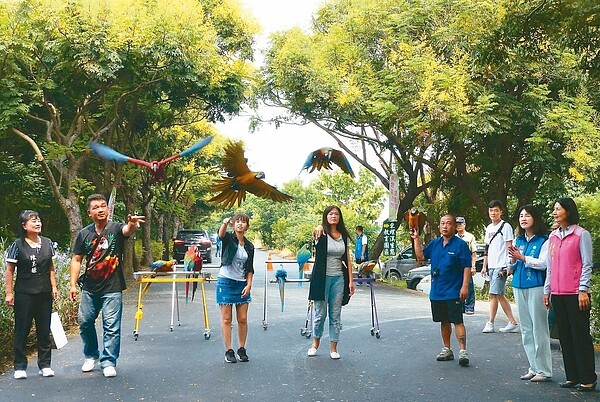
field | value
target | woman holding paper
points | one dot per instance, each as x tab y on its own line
34	289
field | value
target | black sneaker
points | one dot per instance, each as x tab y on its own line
230	356
241	354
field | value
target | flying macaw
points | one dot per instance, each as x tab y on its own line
156	168
160	266
239	179
281	275
302	256
323	157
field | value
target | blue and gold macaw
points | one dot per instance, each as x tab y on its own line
302	257
281	275
239	179
322	159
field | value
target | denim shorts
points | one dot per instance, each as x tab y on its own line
229	291
497	285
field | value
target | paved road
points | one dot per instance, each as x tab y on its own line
400	366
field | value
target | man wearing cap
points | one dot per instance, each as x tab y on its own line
461	225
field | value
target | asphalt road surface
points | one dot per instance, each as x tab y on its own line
400	365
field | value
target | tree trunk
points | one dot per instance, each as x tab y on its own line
147	256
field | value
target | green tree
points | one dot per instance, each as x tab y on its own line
445	91
118	72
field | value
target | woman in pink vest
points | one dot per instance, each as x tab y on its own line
569	282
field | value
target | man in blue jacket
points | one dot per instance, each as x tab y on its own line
450	274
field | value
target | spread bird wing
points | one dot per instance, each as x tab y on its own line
338	157
240	179
317	160
106	152
264	190
194	148
234	161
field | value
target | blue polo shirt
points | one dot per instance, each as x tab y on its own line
448	265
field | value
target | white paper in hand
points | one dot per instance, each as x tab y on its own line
58	333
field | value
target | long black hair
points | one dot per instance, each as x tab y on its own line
24	216
539	226
341	227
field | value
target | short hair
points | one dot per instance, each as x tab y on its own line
539	226
25	216
572	213
94	197
242	217
358	227
496	203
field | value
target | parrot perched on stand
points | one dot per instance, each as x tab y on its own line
281	275
156	168
160	266
323	157
192	262
302	256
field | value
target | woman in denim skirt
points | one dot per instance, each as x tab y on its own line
234	283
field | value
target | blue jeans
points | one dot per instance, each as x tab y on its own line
334	292
111	305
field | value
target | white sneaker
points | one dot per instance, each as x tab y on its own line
510	327
20	374
88	365
489	328
47	372
109	371
334	355
312	352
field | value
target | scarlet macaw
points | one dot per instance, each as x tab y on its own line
322	158
156	168
232	187
160	266
192	262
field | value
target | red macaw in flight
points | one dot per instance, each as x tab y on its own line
156	168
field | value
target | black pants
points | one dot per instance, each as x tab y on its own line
29	307
575	339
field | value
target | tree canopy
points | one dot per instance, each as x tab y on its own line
460	97
125	73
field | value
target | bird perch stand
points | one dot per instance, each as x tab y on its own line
174	277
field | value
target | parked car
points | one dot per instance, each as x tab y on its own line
425	283
416	275
397	268
192	237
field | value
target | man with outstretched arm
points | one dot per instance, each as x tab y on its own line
101	244
450	274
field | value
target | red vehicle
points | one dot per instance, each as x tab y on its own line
195	237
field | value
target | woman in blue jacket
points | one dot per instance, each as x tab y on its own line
528	256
